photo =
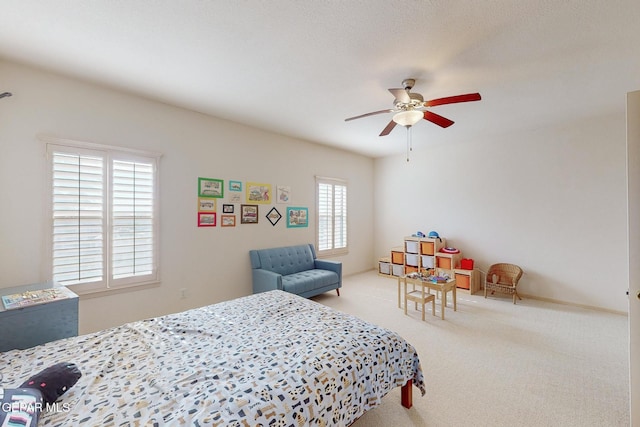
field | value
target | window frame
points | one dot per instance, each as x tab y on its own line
109	154
333	251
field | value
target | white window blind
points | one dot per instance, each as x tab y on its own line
331	216
104	217
78	218
132	219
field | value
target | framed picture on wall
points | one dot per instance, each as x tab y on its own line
248	214
235	185
206	204
209	187
206	219
258	193
227	220
283	194
274	216
227	208
297	217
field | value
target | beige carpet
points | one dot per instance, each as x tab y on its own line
493	363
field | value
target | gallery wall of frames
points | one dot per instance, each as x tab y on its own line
229	203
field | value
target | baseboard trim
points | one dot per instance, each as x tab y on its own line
590	307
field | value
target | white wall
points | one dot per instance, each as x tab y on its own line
552	201
212	263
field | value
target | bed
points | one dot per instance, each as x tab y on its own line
269	359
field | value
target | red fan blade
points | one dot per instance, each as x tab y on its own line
388	129
368	114
453	99
401	95
437	119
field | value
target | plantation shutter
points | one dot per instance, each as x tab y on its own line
331	215
325	216
340	217
78	219
132	219
104	216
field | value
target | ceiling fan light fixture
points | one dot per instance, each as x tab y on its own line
408	118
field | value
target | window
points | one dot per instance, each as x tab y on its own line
332	216
103	216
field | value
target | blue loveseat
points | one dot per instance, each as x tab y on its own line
294	269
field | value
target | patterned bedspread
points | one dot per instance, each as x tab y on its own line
270	359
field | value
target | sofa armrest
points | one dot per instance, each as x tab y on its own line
265	280
326	264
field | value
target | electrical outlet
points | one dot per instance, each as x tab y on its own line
183	293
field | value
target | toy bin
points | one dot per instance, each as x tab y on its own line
463	281
384	266
397	255
443	262
448	261
397	270
411	246
427	248
412	260
427	261
408	269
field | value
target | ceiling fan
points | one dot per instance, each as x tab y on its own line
410	107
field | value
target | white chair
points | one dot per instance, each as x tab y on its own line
421	297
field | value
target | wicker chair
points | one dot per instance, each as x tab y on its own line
503	278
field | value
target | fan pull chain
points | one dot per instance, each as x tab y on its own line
409	141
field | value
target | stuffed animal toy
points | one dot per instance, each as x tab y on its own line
54	381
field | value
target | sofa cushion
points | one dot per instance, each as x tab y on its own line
308	280
287	260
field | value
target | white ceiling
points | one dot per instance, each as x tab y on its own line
300	68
